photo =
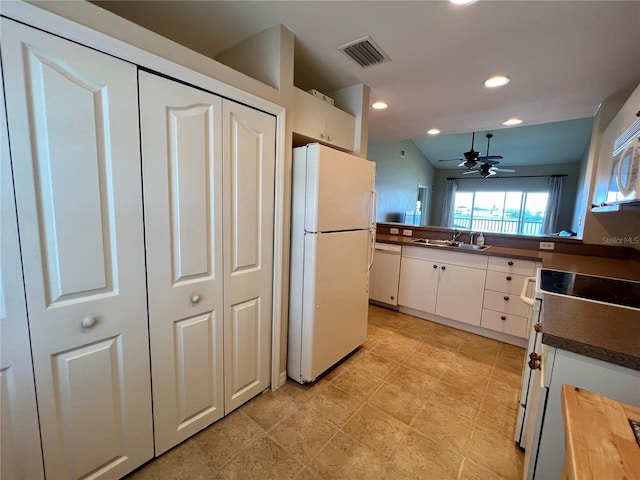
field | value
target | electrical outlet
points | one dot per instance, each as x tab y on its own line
394	231
407	233
547	245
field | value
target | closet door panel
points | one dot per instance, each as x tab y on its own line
182	171
249	161
73	126
21	454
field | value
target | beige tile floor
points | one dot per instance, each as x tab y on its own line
417	401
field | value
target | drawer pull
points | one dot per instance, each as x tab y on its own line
435	266
195	299
510	263
508	277
506	299
443	267
503	317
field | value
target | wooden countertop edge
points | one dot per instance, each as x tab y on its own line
598	438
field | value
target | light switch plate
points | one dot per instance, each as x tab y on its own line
394	231
547	245
407	233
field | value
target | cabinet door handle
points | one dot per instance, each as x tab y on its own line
195	299
443	267
508	278
435	266
322	135
503	317
510	263
329	137
506	299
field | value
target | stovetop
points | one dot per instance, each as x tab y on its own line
599	289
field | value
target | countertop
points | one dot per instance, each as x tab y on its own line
600	331
598	438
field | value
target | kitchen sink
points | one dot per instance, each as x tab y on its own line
440	243
468	246
449	243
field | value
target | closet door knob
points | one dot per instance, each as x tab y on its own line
89	322
195	299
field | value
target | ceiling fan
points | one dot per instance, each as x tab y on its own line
471	158
488	168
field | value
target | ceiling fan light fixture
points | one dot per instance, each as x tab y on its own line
433	131
497	81
379	105
512	121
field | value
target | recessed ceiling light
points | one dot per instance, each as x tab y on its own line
379	105
512	121
497	81
463	2
433	131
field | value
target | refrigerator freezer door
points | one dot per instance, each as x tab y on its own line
339	190
335	299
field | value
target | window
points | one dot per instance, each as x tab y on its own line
501	212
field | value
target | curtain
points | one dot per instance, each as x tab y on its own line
449	203
553	205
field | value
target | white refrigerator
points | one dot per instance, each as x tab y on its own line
332	241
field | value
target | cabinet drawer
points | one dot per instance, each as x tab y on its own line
505	302
513	265
446	256
504	322
505	282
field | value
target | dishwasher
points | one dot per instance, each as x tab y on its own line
385	275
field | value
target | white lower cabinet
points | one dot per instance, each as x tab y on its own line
434	281
73	127
78	121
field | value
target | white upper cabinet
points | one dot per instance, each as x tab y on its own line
181	131
321	121
21	452
73	127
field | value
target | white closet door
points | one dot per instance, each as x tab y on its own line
249	162
20	441
182	172
73	127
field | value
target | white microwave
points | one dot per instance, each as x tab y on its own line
624	183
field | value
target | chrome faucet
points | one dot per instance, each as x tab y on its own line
472	237
455	236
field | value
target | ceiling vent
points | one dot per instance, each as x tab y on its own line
365	52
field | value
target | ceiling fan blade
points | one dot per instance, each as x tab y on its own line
496	169
470	172
452	160
493	157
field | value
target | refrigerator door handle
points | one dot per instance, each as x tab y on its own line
374	208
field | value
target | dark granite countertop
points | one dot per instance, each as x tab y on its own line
604	332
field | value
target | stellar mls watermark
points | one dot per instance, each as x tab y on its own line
620	241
